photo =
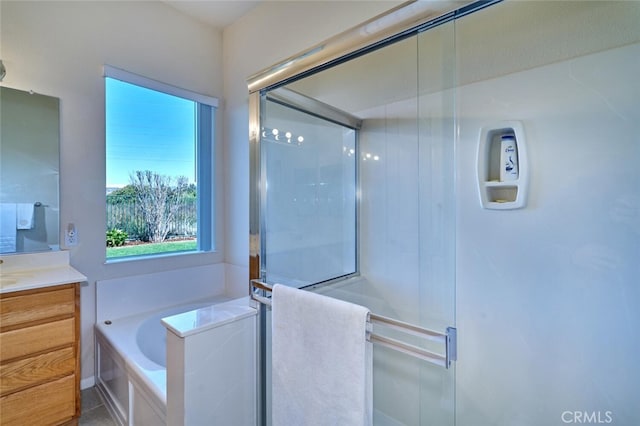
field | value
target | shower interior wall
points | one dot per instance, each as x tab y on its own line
547	295
542	296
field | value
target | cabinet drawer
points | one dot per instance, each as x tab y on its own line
27	372
37	338
47	404
29	306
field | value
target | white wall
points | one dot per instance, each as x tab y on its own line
547	295
58	49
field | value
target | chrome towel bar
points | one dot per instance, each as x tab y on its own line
447	339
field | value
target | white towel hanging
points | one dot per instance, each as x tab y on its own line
24	216
321	360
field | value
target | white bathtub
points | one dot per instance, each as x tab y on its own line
131	364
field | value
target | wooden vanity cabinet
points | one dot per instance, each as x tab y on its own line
40	356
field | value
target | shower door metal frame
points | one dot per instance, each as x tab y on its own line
299	102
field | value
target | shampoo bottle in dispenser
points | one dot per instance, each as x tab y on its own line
508	158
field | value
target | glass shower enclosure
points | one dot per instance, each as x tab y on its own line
354	184
367	179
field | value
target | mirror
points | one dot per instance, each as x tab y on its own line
29	171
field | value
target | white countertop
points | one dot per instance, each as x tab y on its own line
36	270
199	320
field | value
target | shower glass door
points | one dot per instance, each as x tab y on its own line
374	206
309	204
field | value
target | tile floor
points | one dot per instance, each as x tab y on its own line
93	410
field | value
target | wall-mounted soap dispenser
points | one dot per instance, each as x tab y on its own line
502	164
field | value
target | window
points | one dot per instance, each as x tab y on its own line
159	167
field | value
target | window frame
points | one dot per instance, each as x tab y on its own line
206	157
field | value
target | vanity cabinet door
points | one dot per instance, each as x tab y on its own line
39	356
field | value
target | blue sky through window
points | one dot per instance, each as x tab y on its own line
148	130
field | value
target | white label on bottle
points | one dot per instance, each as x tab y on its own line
508	159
